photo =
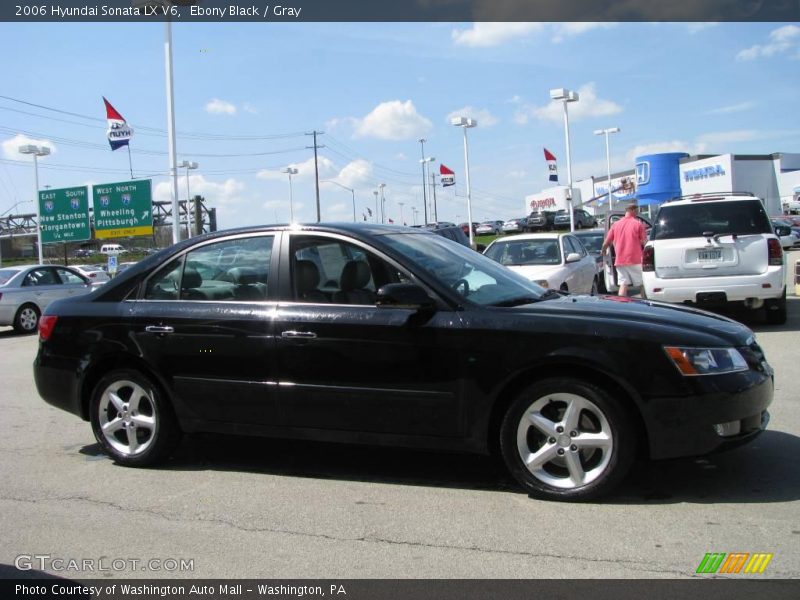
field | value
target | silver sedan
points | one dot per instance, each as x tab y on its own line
25	291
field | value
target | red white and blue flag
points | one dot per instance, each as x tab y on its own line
552	169
447	176
118	132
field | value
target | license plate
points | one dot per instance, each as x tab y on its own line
709	255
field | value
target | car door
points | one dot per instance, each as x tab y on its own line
74	283
205	320
348	366
583	270
42	285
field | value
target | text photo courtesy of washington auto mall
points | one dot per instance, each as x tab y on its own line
399	300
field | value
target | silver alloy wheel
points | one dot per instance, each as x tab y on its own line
565	440
127	417
28	318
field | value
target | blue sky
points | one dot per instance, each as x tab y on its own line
375	89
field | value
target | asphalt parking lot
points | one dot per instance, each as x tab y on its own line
263	508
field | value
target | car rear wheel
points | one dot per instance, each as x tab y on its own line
132	419
566	439
27	319
776	310
594	290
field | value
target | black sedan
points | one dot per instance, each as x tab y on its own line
396	336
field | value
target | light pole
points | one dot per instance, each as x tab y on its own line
465	124
290	171
425	161
400	204
36	152
351	190
383	206
414	211
567	96
424	182
605	132
188	165
171	141
376	204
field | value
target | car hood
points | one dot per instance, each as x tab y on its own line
667	323
536	271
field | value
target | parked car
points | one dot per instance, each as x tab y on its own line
515	225
582	219
716	250
398	337
84	252
465	228
610	276
552	260
541	220
25	291
94	273
451	232
787	232
592	240
489	228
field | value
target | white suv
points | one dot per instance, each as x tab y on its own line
715	249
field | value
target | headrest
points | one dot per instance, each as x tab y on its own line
243	275
191	278
355	275
307	275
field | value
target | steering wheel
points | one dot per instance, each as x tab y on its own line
461	283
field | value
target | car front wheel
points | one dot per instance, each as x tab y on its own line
132	419
566	439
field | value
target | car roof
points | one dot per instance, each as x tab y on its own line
711	197
532	236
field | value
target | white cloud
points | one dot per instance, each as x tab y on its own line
482	115
220	107
483	35
400	156
589	105
226	193
249	108
305	170
355	174
11	147
393	120
566	30
732	108
781	41
695	28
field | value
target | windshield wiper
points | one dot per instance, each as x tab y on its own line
518	301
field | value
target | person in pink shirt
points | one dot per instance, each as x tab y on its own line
628	236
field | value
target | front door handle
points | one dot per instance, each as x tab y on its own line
162	329
304	335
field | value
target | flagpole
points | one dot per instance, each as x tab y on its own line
130	160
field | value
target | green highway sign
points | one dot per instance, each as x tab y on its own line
64	215
123	209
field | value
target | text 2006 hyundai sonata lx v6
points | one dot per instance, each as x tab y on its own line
387	335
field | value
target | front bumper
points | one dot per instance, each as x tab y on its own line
721	412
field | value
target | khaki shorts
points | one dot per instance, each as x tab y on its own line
629	274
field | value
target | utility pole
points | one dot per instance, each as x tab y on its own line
424	197
316	168
433	187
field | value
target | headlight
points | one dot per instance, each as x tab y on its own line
706	361
541	282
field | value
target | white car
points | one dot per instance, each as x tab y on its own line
716	249
95	273
553	260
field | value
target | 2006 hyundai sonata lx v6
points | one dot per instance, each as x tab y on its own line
396	336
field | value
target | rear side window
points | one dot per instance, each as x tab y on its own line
694	220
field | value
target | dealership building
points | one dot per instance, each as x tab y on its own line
657	178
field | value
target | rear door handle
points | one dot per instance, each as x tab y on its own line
303	335
162	329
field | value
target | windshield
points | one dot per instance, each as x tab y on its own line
526	252
474	276
697	219
592	242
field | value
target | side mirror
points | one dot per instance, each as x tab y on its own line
480	247
404	295
573	257
782	230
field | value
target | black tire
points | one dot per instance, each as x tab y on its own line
567	454
595	287
130	399
776	310
27	319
